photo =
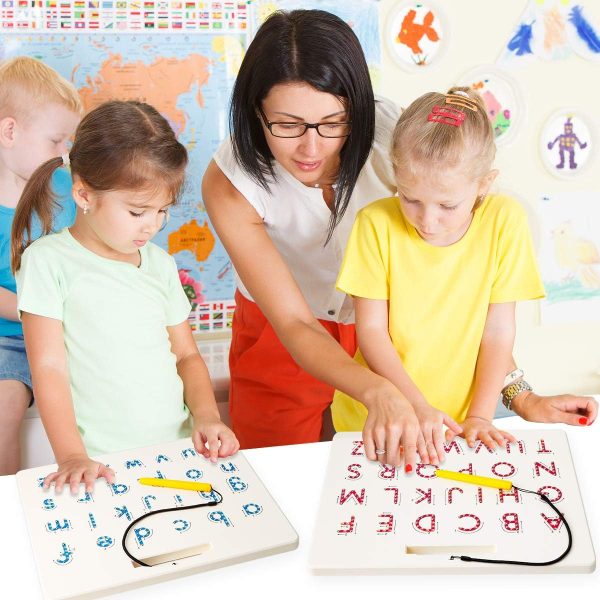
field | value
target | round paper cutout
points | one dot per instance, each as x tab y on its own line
567	143
416	34
503	100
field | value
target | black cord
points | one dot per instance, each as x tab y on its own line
519	562
157	512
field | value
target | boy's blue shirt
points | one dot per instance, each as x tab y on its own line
64	217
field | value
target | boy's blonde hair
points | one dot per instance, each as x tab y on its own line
27	83
420	145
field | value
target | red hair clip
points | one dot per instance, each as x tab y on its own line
447	115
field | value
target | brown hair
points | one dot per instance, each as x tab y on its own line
419	144
26	83
118	146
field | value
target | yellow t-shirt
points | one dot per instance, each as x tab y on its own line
438	296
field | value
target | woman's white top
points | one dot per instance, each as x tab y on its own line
296	217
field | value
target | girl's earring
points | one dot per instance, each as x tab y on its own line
86	208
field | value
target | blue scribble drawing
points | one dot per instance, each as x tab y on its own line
584	29
520	43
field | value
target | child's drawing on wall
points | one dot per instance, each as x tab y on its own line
570	256
415	34
566	143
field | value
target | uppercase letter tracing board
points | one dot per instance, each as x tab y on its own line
375	519
77	539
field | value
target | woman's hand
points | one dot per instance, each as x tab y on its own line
430	443
566	408
391	429
77	469
213	439
478	428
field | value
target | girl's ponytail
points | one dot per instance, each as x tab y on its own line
37	198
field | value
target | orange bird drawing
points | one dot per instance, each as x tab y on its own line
410	33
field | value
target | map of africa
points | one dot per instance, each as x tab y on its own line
188	78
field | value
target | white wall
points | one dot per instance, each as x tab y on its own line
555	358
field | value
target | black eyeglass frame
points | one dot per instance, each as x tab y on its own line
307	126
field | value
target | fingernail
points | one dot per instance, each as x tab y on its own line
408	469
583	421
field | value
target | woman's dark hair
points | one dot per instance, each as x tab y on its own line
307	46
118	146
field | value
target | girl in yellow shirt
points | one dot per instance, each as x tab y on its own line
435	273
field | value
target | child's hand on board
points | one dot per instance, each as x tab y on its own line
430	444
478	428
213	439
78	469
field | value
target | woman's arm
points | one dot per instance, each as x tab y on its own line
199	397
493	362
50	377
268	279
563	408
372	329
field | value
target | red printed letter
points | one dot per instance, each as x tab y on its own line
503	469
550	469
542	448
357	450
510	523
395	491
387	472
421	468
354	471
343	497
424	496
474	527
423	528
386	526
512	493
553	522
347	526
451	491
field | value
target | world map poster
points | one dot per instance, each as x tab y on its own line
188	77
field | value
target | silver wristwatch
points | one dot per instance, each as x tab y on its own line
514	389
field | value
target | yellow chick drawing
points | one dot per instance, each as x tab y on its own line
576	254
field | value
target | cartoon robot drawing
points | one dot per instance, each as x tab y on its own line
566	143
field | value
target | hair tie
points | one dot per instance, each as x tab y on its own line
462	99
66	160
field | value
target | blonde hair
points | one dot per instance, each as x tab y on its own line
421	146
26	83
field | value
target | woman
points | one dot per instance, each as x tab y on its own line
309	148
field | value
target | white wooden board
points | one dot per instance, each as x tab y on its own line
76	540
375	519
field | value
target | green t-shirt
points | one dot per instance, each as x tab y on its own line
124	382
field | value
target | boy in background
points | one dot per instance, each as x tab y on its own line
39	111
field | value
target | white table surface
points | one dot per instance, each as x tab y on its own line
286	576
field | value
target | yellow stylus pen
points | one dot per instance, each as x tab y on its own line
193	486
500	484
